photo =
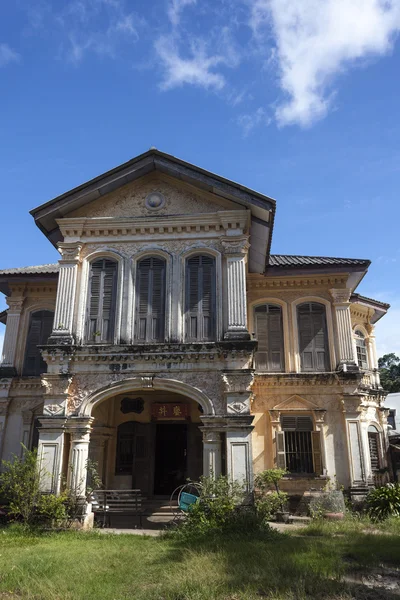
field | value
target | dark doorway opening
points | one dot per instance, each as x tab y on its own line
170	457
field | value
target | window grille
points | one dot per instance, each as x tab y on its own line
298	443
314	355
269	333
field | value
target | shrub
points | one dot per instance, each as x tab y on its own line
270	503
384	502
269	479
221	509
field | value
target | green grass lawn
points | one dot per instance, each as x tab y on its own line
307	563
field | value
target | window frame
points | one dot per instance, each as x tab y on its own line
330	331
164	329
374	431
33	311
185	257
283	348
112	337
83	302
360	334
315	444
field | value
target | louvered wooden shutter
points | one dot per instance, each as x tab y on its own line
373	442
200	298
40	328
316	449
102	300
150	311
280	450
312	337
269	332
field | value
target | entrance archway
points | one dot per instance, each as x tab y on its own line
147	439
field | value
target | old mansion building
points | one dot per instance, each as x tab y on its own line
168	342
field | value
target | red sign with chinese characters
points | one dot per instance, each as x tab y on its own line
169	410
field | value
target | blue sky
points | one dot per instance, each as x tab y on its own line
298	100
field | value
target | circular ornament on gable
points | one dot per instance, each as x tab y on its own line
154	201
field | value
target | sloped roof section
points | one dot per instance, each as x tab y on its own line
51	268
290	261
365	299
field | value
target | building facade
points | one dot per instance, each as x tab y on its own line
168	342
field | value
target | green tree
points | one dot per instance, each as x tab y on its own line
389	366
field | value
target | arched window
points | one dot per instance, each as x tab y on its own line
150	300
269	333
200	298
373	443
40	328
361	347
313	339
102	300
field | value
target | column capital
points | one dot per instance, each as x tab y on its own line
235	246
70	252
79	428
340	295
15	305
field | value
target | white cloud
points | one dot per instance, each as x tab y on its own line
197	69
387	333
175	8
317	39
8	55
249	121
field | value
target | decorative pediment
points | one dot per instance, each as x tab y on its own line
296	403
156	196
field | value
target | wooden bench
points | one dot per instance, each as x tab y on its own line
119	502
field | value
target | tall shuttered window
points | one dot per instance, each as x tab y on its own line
150	300
269	333
361	347
313	339
298	447
40	327
102	300
200	298
373	443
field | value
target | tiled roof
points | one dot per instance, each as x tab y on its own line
36	270
287	260
358	297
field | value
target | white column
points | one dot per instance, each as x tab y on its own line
372	355
50	453
211	453
66	293
11	334
347	358
235	250
79	429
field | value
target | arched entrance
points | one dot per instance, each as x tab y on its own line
147	439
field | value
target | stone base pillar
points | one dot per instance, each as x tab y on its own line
239	451
235	250
79	429
50	453
212	453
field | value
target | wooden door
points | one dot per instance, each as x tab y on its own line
143	456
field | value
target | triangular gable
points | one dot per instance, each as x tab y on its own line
296	403
177	199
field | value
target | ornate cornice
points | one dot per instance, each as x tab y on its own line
117	228
260	282
303	379
340	295
70	252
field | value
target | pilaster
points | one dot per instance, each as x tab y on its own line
212	454
66	294
347	357
11	334
50	453
235	250
239	457
79	429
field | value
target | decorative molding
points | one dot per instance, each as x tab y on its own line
238	381
340	295
296	402
261	282
70	252
15	305
235	246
